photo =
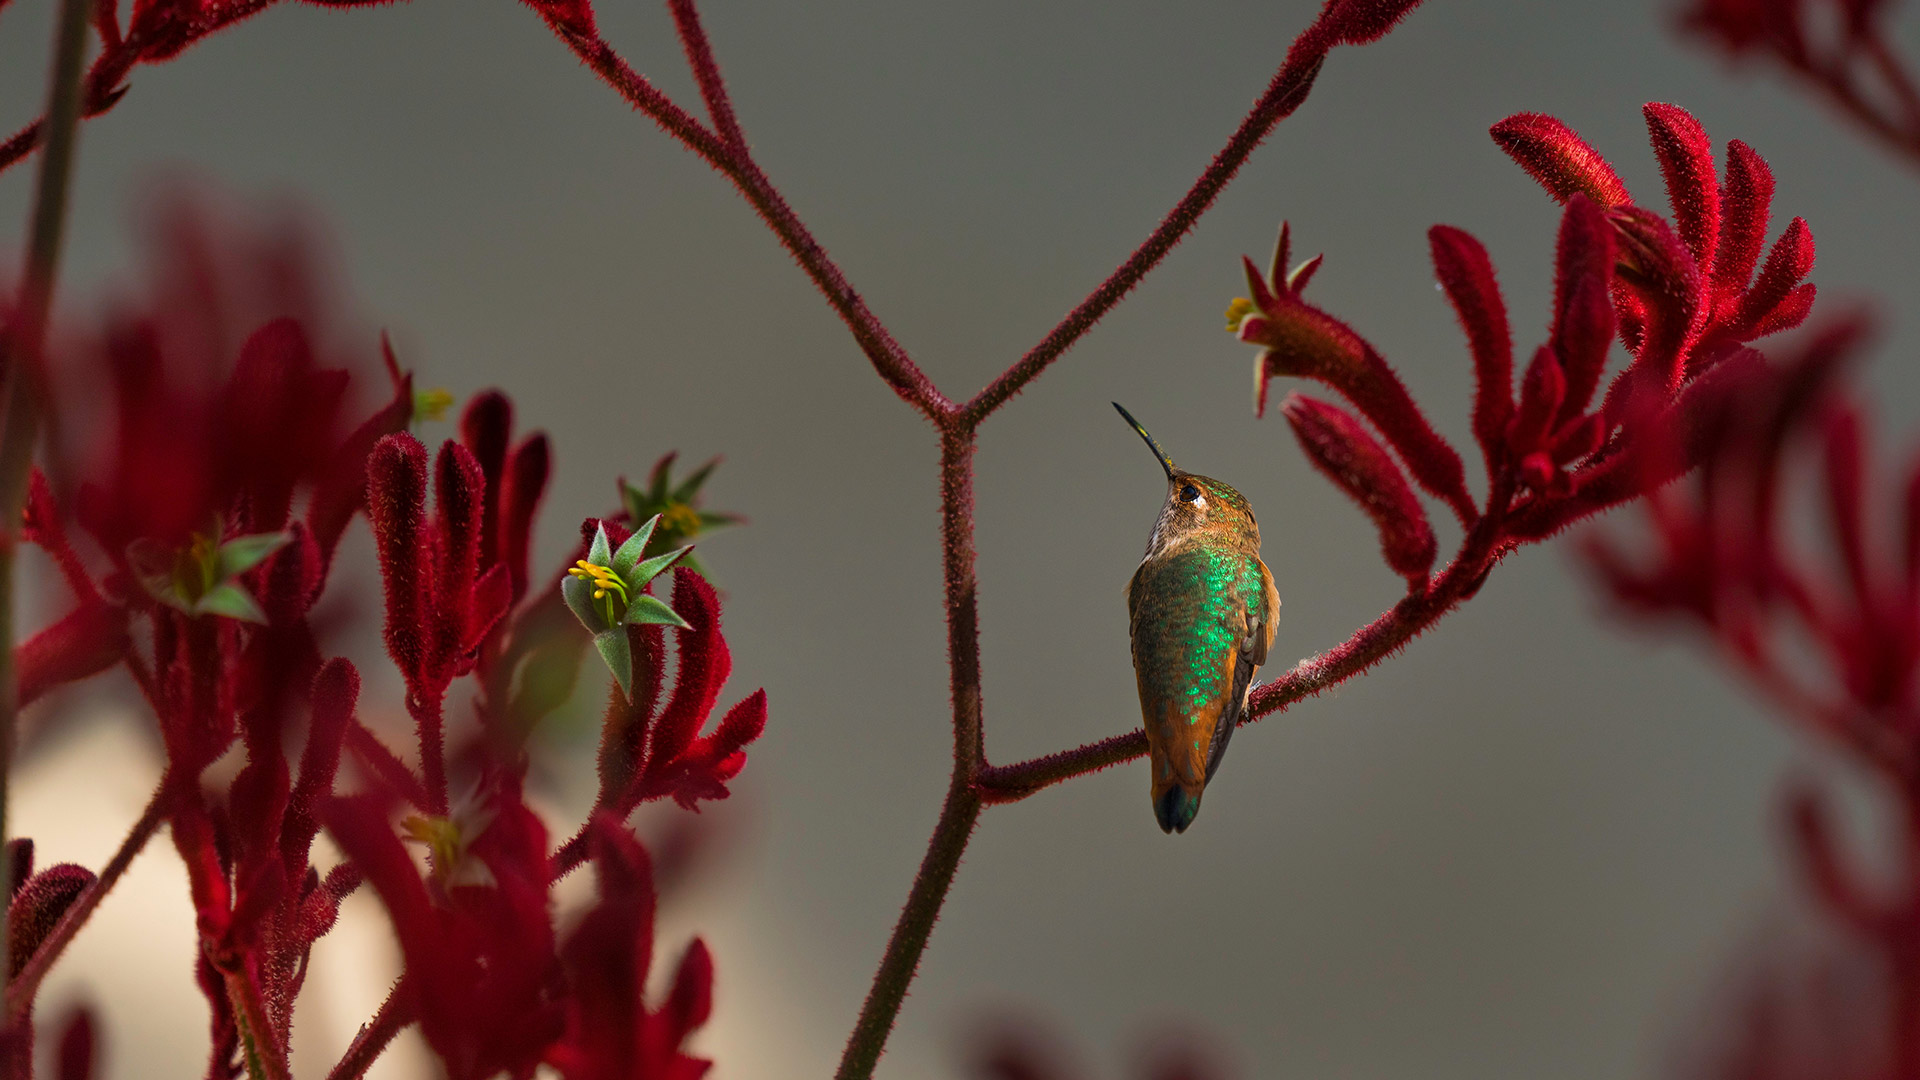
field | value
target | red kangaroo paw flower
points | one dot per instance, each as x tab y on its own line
1790	261
41	525
1559	159
1746	203
611	1033
1583	321
1340	447
37	906
1541	392
1686	161
1300	340
336	690
1357	22
75	1055
1789	313
704	662
486	427
1661	274
1466	274
396	496
91	639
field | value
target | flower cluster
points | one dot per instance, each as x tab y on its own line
1680	294
1833	644
210	495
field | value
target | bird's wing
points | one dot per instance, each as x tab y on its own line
1268	621
1255	635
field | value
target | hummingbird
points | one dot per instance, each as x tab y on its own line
1203	610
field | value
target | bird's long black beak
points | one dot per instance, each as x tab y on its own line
1165	461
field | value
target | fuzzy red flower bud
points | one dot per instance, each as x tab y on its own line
1357	22
336	689
1790	260
1746	203
1686	161
40	524
1340	448
520	491
396	497
1559	159
1583	320
91	639
1659	270
1466	274
704	664
486	427
1540	395
38	906
1789	313
1300	340
76	1051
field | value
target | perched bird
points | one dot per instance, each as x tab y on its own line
1203	610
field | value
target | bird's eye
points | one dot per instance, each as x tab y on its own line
1189	493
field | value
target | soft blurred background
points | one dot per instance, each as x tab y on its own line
1539	842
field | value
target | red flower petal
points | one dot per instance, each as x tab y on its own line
1340	447
1559	159
1790	260
1466	274
1541	392
1686	161
520	491
1305	342
1583	321
1357	22
336	690
91	639
1746	204
396	500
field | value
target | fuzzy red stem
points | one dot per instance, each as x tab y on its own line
1368	646
962	806
29	138
713	89
429	718
256	1028
393	1016
21	991
886	355
1284	94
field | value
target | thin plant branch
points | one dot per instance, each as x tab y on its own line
961	808
20	349
23	987
393	1016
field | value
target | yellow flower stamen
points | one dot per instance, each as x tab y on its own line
432	404
1237	313
681	518
605	582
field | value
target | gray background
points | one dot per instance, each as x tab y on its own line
1527	846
